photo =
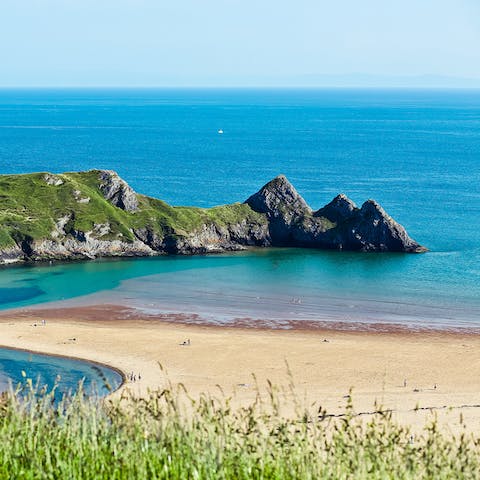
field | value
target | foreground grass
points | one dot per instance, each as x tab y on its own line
164	436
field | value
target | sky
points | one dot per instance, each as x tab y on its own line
239	42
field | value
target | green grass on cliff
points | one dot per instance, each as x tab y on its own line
162	217
30	207
167	436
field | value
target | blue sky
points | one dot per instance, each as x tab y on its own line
238	42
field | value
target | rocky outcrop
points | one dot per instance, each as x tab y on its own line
10	255
209	238
79	198
374	230
283	206
279	199
371	229
212	238
51	179
77	222
339	225
338	210
117	191
86	247
73	245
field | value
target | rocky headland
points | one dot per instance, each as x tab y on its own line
81	215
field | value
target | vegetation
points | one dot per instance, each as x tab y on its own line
32	204
161	436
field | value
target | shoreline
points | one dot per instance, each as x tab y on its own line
69	357
438	368
107	312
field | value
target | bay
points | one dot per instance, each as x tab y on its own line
417	152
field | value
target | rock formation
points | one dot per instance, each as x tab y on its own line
96	213
117	191
339	225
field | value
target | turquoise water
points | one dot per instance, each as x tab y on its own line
278	284
416	152
65	373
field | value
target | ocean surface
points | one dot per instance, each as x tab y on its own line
417	152
49	371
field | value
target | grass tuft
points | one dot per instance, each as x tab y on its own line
168	435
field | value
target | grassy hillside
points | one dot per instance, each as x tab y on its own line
31	205
96	213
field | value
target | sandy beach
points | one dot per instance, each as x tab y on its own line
402	371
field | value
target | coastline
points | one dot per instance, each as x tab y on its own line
69	357
439	367
91	308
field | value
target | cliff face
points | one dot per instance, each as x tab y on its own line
96	213
117	191
339	225
283	206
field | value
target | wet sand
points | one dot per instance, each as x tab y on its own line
400	370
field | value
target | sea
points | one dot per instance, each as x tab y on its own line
417	152
57	376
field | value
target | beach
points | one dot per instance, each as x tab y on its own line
413	374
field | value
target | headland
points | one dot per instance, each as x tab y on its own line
85	215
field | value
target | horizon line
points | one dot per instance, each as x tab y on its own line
244	87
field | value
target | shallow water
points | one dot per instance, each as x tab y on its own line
65	373
416	152
275	284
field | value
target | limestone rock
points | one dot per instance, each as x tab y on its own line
60	225
86	246
117	191
339	225
11	255
279	199
78	197
338	210
211	238
283	206
52	179
375	230
101	229
150	238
